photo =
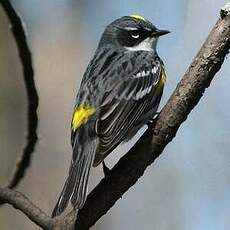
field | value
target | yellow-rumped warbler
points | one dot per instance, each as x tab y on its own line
120	91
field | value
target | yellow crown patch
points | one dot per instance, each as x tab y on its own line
139	17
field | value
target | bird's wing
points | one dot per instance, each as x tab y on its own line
127	101
82	127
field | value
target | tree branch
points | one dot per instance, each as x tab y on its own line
32	96
21	202
185	97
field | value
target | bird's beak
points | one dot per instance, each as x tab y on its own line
158	33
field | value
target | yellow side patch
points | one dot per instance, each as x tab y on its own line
162	80
163	74
139	17
81	115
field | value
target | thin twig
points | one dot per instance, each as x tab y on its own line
32	96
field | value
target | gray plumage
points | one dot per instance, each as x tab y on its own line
124	86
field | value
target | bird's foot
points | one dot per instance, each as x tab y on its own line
152	121
106	170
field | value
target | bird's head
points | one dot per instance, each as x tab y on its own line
132	33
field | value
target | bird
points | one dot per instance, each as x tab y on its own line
119	93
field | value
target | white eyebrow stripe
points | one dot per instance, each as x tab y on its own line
131	28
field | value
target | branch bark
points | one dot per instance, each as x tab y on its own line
21	202
185	97
32	96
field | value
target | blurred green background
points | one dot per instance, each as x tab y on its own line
188	186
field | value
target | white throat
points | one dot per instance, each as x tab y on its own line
149	44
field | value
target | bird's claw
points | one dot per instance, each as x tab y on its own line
106	170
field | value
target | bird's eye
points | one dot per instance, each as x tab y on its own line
135	34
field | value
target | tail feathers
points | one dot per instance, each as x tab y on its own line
81	188
75	188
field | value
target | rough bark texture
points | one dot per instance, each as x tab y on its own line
21	202
185	97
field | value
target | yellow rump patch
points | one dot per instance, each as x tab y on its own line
139	17
81	115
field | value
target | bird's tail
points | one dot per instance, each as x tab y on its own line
75	188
